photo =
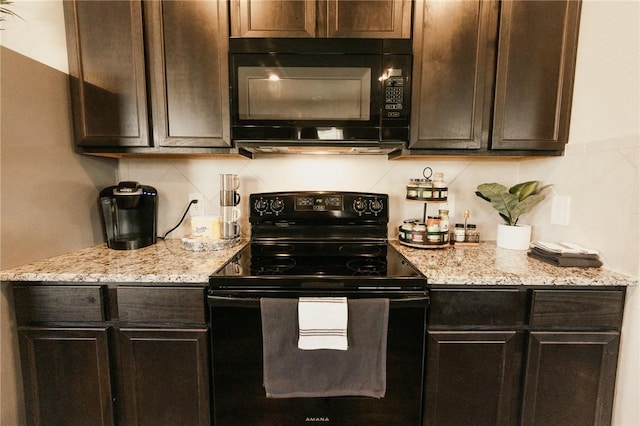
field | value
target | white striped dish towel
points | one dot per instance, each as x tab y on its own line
322	323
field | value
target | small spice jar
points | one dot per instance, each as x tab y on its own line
433	220
424	189
433	224
439	186
444	220
434	238
438	180
407	225
459	233
412	188
472	236
419	227
444	223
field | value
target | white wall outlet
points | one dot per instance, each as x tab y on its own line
560	210
196	209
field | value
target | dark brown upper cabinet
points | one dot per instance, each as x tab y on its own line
187	55
107	73
321	18
493	77
534	81
149	77
453	70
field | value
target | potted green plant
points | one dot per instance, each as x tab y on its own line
511	204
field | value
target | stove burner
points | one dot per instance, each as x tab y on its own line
273	266
367	266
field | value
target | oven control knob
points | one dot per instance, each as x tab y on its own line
277	205
359	205
376	205
261	205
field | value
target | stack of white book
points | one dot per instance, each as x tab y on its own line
565	254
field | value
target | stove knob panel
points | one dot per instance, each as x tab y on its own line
359	205
277	205
261	205
376	205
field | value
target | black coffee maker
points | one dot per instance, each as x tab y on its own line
130	215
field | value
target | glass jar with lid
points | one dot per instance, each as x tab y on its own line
425	189
412	188
459	233
472	235
438	180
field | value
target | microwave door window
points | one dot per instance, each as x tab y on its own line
304	93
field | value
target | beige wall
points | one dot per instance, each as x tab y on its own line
48	194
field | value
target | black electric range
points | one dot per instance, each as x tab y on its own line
329	245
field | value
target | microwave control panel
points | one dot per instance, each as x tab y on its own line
396	97
393	93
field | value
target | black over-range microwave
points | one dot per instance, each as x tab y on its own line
331	95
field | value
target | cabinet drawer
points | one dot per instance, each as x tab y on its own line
577	308
58	303
161	304
477	308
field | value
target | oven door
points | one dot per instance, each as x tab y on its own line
239	395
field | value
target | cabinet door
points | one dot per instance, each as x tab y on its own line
472	376
369	18
107	73
273	18
536	64
453	71
66	376
321	18
165	376
188	71
570	378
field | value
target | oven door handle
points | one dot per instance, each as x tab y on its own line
401	302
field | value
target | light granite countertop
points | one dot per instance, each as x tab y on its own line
486	264
163	262
167	262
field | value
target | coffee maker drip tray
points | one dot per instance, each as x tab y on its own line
130	243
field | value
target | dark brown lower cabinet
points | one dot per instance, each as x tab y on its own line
126	355
165	376
473	377
522	356
66	376
570	378
139	354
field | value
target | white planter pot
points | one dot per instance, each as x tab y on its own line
513	237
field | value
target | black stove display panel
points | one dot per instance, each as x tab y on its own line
319	203
328	207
